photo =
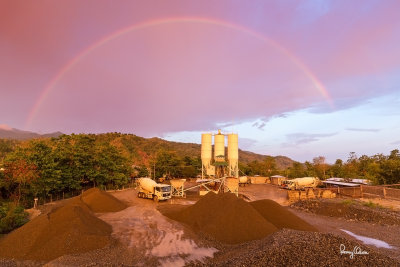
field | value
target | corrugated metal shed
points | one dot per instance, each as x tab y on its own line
341	184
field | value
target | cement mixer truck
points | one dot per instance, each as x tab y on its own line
300	183
148	188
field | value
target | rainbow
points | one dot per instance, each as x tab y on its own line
50	85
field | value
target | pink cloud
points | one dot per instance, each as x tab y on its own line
187	77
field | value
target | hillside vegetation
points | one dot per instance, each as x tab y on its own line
47	167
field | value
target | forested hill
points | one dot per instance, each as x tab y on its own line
141	150
12	133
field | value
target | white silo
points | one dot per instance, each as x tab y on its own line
219	145
233	155
206	152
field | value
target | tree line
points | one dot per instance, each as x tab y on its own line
45	167
69	163
379	168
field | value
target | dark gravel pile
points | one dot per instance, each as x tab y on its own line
224	217
69	229
296	248
231	220
349	210
280	216
101	201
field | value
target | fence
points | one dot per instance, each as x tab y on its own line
319	191
362	191
380	191
350	191
69	194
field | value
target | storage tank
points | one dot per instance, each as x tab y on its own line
219	145
233	155
206	149
243	179
147	184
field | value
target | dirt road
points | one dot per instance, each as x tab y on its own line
141	226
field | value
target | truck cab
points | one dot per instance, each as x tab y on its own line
288	184
148	188
162	192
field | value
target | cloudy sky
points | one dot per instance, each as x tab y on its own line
294	78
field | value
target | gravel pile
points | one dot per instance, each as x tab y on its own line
100	201
224	217
229	219
280	216
296	248
69	229
349	210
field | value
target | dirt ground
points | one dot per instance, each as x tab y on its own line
165	239
326	224
387	203
142	236
255	192
387	233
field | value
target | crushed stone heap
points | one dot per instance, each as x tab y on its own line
69	229
232	220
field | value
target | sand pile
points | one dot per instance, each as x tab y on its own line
232	220
280	216
100	201
226	218
69	229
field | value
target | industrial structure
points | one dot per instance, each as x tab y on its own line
218	173
218	166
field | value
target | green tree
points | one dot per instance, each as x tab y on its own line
167	163
141	171
21	174
256	168
320	167
269	165
49	180
310	170
352	166
337	169
390	168
244	169
111	167
84	158
67	163
297	170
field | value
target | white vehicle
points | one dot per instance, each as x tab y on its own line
301	183
148	188
244	180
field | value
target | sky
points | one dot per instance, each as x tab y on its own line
295	78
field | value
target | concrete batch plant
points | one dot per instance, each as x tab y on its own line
219	166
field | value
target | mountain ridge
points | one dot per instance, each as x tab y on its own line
8	132
140	149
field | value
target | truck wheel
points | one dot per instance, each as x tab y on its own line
155	199
139	195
